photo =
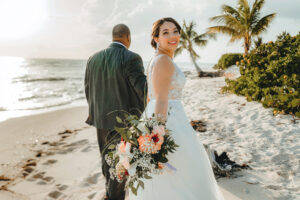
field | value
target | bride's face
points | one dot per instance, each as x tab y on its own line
168	37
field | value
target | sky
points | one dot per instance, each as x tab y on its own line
78	28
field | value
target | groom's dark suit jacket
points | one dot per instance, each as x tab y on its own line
114	81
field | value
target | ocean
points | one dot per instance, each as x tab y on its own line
30	86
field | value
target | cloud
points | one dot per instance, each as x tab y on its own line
80	28
139	16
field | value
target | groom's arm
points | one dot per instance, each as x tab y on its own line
87	89
86	80
135	73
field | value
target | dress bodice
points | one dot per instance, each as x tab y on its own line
177	81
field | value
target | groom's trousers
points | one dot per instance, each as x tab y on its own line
114	189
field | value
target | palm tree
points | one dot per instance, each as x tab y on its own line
243	22
258	42
188	39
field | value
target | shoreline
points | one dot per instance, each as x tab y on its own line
11	114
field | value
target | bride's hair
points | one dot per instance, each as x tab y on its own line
156	27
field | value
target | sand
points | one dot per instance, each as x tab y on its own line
55	155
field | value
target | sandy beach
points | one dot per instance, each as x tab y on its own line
55	155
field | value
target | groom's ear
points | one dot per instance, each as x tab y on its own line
129	38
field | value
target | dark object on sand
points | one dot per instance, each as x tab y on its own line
198	125
210	74
222	165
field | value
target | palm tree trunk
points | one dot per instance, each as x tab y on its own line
247	43
199	70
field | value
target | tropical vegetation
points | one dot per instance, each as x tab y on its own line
270	74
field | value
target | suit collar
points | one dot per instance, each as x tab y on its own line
117	44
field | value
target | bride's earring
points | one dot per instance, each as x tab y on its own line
157	46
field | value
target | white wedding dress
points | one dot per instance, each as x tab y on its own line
193	178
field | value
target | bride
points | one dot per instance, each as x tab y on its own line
193	178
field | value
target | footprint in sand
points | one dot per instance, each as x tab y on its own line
48	179
49	162
92	180
91	196
61	187
87	149
30	162
39	175
27	171
28	167
42	183
78	143
55	194
274	187
58	193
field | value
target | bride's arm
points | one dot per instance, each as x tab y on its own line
161	81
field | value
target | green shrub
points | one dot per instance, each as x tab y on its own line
270	74
228	60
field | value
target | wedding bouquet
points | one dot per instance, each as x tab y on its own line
142	151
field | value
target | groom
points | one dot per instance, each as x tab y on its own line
114	81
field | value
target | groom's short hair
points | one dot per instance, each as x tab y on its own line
120	30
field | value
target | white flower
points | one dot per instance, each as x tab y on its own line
132	169
142	128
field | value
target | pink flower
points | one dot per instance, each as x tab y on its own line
145	143
160	165
150	143
159	129
121	171
122	147
124	153
125	162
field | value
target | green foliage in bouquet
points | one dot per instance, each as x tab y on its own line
228	60
270	74
142	151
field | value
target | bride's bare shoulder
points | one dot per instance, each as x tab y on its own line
163	64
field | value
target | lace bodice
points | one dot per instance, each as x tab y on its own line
177	82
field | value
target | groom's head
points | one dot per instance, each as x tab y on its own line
121	33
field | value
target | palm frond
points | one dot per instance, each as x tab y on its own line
230	10
262	24
227	19
258	42
233	22
254	14
218	19
257	6
222	29
183	35
244	10
236	37
200	42
243	5
178	50
190	29
211	35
